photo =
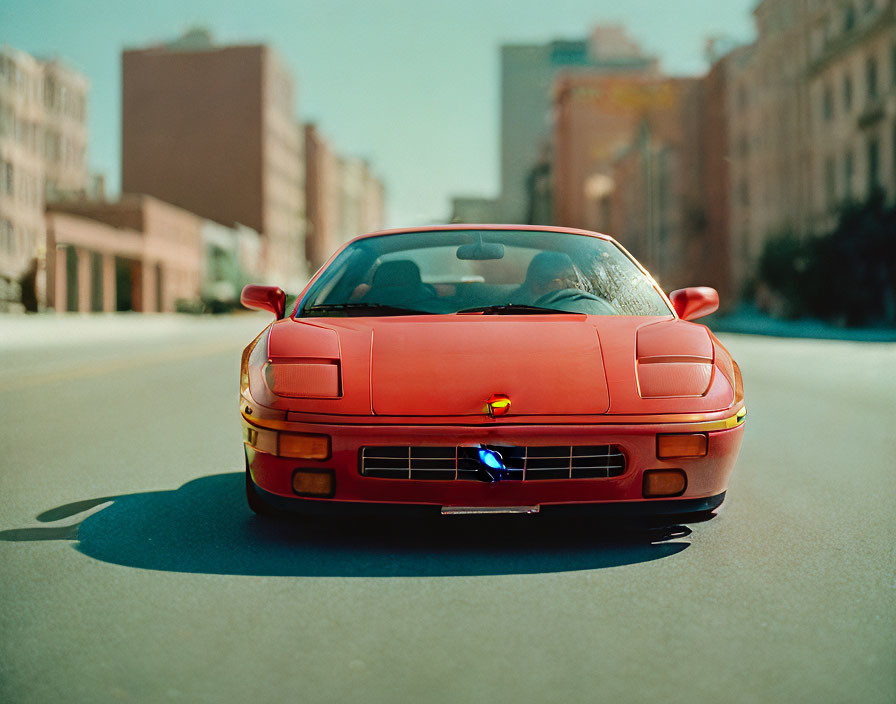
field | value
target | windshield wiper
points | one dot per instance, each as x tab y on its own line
361	308
514	309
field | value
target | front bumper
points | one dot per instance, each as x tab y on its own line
707	476
605	509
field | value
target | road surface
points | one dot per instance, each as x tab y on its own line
131	570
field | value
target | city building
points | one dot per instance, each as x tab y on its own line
212	129
769	131
43	155
360	199
474	209
627	161
344	197
528	72
321	172
231	258
852	103
812	107
716	264
596	118
136	253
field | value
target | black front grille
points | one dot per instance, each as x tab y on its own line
522	463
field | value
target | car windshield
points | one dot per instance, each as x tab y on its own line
488	272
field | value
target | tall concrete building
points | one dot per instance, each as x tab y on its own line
528	72
212	129
43	154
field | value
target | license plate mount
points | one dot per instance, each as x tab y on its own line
487	510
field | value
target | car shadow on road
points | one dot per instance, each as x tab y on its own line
205	527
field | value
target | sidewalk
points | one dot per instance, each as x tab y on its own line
749	321
43	330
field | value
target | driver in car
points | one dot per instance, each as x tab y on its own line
547	272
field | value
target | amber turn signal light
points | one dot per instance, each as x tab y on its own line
306	447
691	445
314	482
664	482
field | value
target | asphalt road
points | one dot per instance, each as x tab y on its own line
131	570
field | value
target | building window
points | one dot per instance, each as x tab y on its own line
871	78
849	17
6	235
827	107
9	185
893	66
873	164
848	170
830	182
847	93
6	118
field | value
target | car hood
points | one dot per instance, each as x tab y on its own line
548	365
451	367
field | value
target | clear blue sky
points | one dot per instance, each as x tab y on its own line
411	85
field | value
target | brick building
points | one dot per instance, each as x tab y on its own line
212	129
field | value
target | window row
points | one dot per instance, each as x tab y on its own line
20	185
872	84
16	241
48	143
839	178
849	16
57	96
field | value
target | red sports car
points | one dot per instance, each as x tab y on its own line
488	369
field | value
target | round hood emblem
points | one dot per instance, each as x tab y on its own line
497	405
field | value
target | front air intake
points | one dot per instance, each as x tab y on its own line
463	462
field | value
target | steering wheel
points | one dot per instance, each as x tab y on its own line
581	302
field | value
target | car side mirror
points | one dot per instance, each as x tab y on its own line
695	302
270	298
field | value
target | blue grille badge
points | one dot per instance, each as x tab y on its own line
492	464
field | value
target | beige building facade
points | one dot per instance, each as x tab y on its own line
769	134
812	107
43	154
852	98
343	195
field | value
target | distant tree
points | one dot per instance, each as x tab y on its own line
28	284
781	268
847	276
